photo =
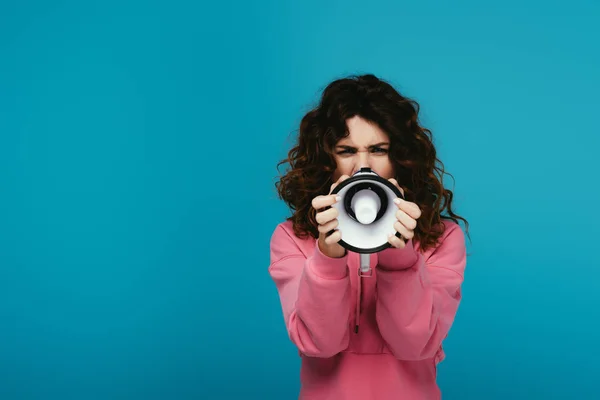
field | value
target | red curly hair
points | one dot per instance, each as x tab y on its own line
412	153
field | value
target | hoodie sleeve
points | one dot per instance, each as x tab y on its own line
314	293
418	298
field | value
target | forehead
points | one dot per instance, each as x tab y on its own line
363	133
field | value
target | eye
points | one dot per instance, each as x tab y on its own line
380	150
346	151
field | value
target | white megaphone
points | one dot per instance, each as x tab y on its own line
366	214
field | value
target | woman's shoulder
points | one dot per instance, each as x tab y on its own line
283	231
451	228
451	241
285	226
285	240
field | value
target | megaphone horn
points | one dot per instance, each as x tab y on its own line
366	213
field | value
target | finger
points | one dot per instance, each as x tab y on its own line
405	232
406	220
408	207
396	242
329	226
320	202
334	237
395	183
340	180
326	216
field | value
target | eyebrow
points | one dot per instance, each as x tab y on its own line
345	146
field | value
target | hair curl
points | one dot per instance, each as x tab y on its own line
412	153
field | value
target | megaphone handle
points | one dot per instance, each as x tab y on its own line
365	262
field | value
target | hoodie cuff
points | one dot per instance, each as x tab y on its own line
328	267
394	259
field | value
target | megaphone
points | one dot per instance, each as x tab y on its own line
366	214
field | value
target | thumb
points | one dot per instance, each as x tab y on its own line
340	180
395	183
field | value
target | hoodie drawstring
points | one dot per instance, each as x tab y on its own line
358	301
365	261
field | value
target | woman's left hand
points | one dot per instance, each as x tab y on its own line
406	219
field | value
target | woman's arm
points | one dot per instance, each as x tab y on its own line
315	295
417	298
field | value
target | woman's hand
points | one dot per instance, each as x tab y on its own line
406	219
327	222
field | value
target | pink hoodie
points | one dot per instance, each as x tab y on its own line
404	311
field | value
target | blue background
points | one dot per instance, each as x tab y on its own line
138	144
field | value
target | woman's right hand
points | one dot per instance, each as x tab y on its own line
327	222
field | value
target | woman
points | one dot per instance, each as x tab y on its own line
406	307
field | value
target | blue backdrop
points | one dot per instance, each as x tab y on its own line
138	144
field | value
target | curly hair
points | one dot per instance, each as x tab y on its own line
418	170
